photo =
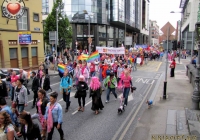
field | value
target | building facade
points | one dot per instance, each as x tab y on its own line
107	21
153	33
14	53
47	6
188	20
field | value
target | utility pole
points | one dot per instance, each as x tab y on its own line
125	24
166	68
56	45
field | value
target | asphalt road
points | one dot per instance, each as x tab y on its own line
108	124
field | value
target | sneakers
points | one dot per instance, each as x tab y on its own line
107	101
115	99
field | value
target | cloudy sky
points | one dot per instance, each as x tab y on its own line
160	11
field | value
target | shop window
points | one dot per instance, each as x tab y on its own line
13	58
36	17
24	54
34	56
22	22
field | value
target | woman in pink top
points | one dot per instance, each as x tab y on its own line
127	84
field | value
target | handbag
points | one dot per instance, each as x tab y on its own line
171	66
76	94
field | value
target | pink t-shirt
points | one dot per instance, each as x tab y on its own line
126	81
14	78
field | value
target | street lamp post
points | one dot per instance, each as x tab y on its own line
196	92
125	24
56	44
180	40
166	68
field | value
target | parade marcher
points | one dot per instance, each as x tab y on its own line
6	127
20	95
119	72
8	80
40	71
23	76
127	84
172	66
110	83
29	130
3	89
85	71
115	67
65	87
53	116
95	93
92	69
81	92
41	108
14	79
35	87
77	73
45	81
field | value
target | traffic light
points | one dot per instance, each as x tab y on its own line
179	45
183	44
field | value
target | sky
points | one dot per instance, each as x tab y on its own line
159	10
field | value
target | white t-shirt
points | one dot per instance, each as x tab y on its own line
3	133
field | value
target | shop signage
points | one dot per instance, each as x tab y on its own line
24	38
110	50
13	9
36	29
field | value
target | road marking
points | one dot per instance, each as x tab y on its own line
133	118
130	114
130	96
158	66
85	106
145	81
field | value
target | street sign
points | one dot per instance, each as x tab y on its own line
129	40
90	40
52	36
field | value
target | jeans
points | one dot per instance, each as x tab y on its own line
92	74
79	101
125	94
59	130
66	98
35	96
134	66
20	108
108	93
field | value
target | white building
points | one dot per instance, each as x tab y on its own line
153	33
47	6
189	18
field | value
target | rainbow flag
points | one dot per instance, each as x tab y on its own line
83	57
61	68
95	55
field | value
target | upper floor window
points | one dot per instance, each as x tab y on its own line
23	21
36	17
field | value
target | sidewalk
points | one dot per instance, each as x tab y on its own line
172	116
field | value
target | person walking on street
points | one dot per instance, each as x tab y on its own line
81	92
14	79
35	87
20	95
53	116
29	130
172	66
3	89
127	84
95	93
45	81
110	83
65	87
41	108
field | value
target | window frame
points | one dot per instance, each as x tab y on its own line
38	17
28	21
11	53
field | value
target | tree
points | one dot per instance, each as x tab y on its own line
64	27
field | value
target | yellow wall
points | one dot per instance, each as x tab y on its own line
9	32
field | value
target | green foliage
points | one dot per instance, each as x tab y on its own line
64	27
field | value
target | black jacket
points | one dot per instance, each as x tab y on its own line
32	133
3	89
43	106
35	84
81	89
46	84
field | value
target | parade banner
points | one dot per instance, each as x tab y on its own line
111	50
141	46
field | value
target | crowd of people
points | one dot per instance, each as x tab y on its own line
110	72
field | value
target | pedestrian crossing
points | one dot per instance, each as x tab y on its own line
150	66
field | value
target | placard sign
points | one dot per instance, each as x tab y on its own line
111	50
24	38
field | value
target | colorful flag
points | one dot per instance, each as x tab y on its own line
62	67
95	55
83	57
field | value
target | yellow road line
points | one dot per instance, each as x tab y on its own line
159	66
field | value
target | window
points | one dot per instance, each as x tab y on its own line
24	52
13	53
36	17
34	51
23	21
